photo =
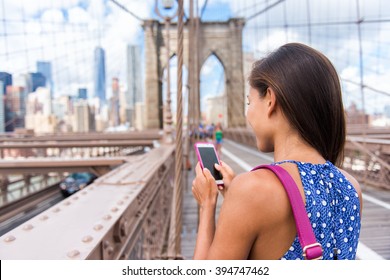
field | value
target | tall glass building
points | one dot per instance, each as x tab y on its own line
100	74
44	67
83	93
34	81
134	81
2	115
6	80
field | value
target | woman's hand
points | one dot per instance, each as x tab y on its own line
204	187
227	175
205	191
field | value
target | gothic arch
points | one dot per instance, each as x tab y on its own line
212	91
212	53
223	39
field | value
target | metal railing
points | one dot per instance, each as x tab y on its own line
24	186
124	214
368	159
82	145
241	135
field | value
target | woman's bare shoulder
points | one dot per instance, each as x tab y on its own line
253	182
258	190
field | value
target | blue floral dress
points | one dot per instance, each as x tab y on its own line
333	207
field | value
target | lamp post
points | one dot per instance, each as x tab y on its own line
168	4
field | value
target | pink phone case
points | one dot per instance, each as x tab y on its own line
200	159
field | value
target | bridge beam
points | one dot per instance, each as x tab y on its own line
122	215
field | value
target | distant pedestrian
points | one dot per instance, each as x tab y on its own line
218	138
210	131
201	131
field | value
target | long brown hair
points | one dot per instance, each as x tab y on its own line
308	91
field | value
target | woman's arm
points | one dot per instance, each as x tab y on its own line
206	231
239	222
205	192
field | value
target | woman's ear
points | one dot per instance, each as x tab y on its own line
271	101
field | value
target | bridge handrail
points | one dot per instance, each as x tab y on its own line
90	136
368	140
76	144
360	146
365	158
124	214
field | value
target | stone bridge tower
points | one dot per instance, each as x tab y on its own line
222	39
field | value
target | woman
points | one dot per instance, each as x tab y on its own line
296	111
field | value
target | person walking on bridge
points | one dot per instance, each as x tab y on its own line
218	138
296	111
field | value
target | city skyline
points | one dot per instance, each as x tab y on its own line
65	35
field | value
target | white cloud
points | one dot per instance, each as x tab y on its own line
276	39
70	40
52	16
17	8
33	27
66	34
78	15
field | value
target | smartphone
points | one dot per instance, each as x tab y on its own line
207	156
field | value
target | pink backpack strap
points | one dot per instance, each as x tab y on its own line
310	247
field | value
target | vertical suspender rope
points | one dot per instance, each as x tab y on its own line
174	250
190	82
5	34
285	21
196	68
308	21
363	118
24	21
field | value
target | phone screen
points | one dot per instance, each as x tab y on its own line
208	159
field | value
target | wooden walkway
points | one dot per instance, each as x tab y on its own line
375	233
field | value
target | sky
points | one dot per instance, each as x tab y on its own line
67	31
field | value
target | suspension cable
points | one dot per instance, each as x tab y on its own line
264	10
366	86
126	10
174	248
203	9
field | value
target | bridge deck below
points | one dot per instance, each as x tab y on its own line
375	233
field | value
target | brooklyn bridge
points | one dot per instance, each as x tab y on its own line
185	70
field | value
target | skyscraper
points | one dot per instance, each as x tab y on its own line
83	93
2	118
114	104
100	74
44	67
134	83
35	80
39	112
6	78
15	106
83	119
